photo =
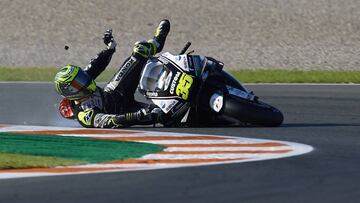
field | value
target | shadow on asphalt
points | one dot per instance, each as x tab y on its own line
290	125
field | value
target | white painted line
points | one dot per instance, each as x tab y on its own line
216	149
201	156
147	165
171	142
149	134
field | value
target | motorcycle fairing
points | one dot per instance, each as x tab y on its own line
180	61
165	104
168	82
193	64
165	77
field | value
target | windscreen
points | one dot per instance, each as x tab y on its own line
155	77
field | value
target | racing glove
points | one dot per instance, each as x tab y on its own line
66	109
109	40
156	115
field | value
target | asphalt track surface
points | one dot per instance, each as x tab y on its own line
323	116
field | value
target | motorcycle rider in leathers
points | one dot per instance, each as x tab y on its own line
113	106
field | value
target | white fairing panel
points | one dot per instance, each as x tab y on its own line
180	60
165	104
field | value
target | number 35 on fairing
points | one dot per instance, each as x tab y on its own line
183	87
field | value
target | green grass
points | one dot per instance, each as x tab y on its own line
297	76
18	161
246	75
41	74
27	74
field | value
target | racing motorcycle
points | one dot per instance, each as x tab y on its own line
194	90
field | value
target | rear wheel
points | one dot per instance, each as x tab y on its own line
253	112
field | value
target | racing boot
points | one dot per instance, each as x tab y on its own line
160	34
155	45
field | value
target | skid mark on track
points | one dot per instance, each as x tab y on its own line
181	150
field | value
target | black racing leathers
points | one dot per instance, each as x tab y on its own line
114	106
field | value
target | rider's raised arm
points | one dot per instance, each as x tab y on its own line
98	64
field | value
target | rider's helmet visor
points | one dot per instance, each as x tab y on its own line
79	86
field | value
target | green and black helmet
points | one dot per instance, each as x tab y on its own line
73	83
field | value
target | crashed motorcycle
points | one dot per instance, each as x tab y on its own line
194	90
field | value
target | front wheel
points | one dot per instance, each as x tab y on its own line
253	112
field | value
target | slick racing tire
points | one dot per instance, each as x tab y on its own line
253	112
